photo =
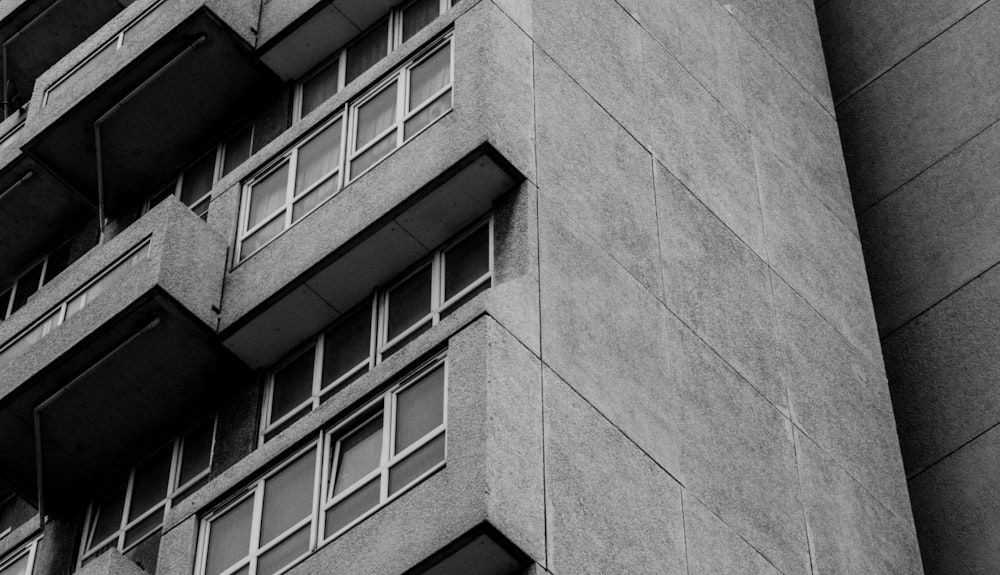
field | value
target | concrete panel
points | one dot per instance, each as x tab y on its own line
850	532
514	298
701	143
796	129
703	37
737	454
815	254
604	334
717	286
787	29
715	549
943	370
956	505
611	509
840	399
936	233
924	108
594	171
864	39
599	45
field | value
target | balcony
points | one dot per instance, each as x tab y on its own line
122	351
129	108
36	34
36	209
394	209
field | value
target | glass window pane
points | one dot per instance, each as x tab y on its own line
293	385
109	517
318	157
416	464
352	507
466	262
418	15
367	51
145	553
358	454
196	453
27	285
198	179
267	195
58	261
237	149
257	239
288	496
419	409
320	87
7	509
409	302
143	528
229	537
373	154
150	484
428	114
315	197
277	557
376	115
163	194
347	344
19	567
430	76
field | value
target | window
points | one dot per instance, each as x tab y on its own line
377	41
73	304
400	107
129	517
21	561
20	292
381	325
193	187
7	513
341	477
292	186
311	171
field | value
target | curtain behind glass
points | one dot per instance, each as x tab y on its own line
367	51
430	76
320	87
419	15
268	195
376	115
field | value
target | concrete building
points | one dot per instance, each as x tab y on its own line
917	94
483	286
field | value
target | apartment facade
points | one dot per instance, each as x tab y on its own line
917	89
440	286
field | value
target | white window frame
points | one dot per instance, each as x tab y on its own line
401	77
90	549
395	40
379	347
289	157
323	451
8	310
28	549
217	174
118	40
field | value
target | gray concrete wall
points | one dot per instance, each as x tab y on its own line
916	90
680	372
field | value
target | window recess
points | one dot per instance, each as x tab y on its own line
23	289
376	124
375	43
130	515
381	325
21	561
341	477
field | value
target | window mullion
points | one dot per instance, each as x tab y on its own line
388	431
255	525
320	350
293	168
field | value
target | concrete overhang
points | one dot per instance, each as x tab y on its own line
34	35
36	210
379	251
118	131
126	371
483	551
295	35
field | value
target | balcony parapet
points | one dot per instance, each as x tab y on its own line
122	361
160	82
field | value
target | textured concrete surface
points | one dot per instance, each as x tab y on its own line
714	548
